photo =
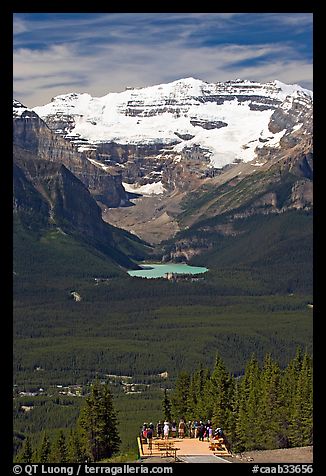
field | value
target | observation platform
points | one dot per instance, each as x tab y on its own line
185	449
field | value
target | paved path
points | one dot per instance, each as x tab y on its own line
203	459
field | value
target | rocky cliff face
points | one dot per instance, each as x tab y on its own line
32	134
47	195
63	196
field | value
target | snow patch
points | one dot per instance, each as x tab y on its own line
98	164
155	188
297	127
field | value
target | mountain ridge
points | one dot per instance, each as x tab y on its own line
174	115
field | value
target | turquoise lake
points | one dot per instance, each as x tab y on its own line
150	270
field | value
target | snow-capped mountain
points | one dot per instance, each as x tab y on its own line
222	122
189	149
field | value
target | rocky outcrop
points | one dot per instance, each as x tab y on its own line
208	124
112	153
185	175
293	111
184	250
302	194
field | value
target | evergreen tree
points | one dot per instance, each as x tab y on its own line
289	384
180	397
232	411
98	423
59	450
166	405
270	425
248	399
219	396
76	451
43	454
196	400
192	398
26	453
233	435
301	424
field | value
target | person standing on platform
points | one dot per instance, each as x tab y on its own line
149	439
181	428
159	430
201	431
166	430
208	429
174	429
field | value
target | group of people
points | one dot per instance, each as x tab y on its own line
163	430
193	429
204	430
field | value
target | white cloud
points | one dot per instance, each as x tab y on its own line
19	26
123	53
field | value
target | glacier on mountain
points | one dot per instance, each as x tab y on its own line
228	120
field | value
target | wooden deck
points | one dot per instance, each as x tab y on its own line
178	447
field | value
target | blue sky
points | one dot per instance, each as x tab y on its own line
98	53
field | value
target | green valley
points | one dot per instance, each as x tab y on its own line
142	328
